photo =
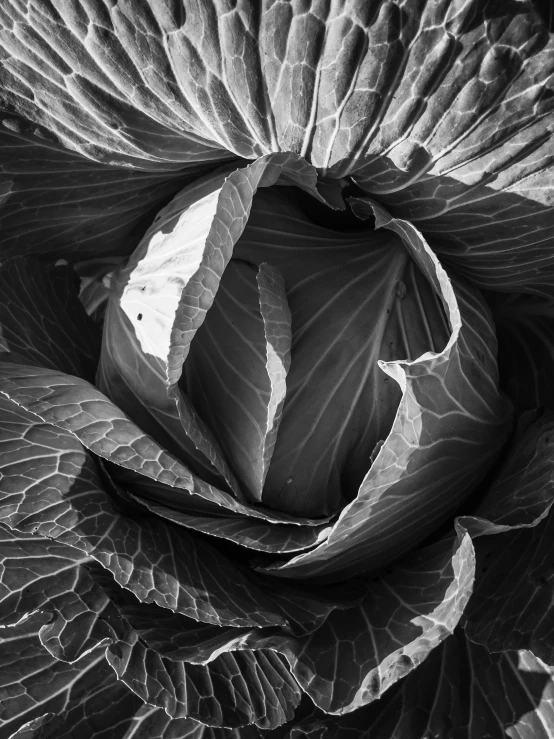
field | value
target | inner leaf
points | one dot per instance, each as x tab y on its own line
236	370
354	298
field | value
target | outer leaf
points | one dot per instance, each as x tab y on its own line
460	691
88	610
233	690
459	142
62	498
39	575
236	370
448	429
106	109
42	319
33	682
91	704
442	111
353	658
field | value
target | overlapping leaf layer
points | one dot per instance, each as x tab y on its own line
280	499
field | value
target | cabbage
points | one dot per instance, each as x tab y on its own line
276	339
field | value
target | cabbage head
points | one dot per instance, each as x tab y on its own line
276	369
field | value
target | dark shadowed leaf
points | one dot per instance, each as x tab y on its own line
59	203
523	491
42	319
511	607
525	332
255	534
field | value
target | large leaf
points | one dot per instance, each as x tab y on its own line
159	654
50	486
460	691
42	320
449	427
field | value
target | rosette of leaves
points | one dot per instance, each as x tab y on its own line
277	333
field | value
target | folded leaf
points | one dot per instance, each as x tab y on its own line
236	371
83	699
135	381
255	534
449	427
